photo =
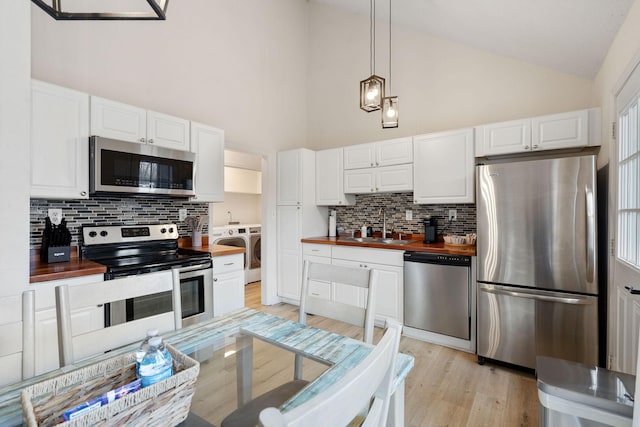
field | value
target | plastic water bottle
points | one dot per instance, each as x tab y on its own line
144	347
157	364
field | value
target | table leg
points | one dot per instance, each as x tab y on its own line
244	368
396	407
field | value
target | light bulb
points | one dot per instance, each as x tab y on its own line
391	112
375	91
371	95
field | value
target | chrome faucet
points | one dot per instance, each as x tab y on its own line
384	222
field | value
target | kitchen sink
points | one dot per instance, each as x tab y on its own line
377	240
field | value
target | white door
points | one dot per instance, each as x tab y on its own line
394	178
228	292
289	251
359	181
167	131
360	156
394	151
625	217
503	138
562	130
112	119
288	177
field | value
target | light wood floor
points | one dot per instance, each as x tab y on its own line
445	388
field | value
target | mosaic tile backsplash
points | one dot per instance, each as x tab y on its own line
366	211
112	211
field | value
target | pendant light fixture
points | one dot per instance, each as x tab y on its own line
156	10
372	89
390	103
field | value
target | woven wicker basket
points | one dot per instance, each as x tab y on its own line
165	403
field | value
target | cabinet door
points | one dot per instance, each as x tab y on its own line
394	152
208	144
388	292
503	138
112	119
167	131
348	294
46	333
329	177
228	292
394	178
359	181
626	331
289	251
288	178
563	130
59	142
360	156
444	168
318	288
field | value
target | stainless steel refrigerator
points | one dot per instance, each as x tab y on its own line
537	270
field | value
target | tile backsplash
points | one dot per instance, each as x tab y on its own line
366	211
111	210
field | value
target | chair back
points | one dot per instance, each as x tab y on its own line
368	384
78	343
361	277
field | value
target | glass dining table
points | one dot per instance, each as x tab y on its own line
243	354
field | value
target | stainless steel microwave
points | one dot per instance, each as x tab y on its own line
133	168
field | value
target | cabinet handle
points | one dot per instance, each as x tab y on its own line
100	305
151	141
535	147
415	201
230	263
315	294
83	193
632	291
141	140
377	164
215	279
371	164
315	250
526	147
340	202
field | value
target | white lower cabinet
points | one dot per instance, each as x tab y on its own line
386	262
228	283
46	330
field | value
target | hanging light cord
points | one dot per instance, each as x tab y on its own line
372	37
389	46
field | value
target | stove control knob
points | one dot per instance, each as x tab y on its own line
230	232
103	233
163	230
92	234
171	230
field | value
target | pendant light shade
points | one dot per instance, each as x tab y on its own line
390	112
371	93
106	9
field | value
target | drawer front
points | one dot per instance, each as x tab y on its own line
316	250
320	289
223	264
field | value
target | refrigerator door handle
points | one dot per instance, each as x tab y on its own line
591	234
535	295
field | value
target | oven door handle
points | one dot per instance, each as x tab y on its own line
202	266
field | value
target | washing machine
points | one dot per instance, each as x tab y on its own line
255	241
234	235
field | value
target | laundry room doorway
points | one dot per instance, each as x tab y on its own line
238	220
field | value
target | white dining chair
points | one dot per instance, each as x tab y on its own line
247	414
367	385
76	344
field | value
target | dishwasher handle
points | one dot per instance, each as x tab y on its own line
536	295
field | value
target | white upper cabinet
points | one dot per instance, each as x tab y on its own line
208	144
59	142
444	167
383	166
503	138
382	153
112	119
557	131
329	177
289	178
560	130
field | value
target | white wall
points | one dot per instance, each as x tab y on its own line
236	65
246	208
623	55
15	99
441	85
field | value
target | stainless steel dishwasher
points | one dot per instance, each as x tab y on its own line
437	293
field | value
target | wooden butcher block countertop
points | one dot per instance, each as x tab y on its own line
417	246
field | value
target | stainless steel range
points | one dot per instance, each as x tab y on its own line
141	249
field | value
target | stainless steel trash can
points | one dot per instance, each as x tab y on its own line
575	395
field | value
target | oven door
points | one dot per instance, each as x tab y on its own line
196	289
